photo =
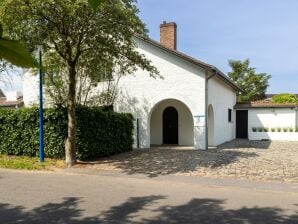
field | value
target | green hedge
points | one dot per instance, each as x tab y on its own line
99	133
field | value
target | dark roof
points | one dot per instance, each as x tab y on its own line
1	94
264	104
195	61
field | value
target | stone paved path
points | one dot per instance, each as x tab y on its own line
239	159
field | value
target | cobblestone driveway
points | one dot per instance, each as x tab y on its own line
241	159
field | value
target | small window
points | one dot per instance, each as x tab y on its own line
230	115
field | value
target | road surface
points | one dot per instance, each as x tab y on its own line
93	197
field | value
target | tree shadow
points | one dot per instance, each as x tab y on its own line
58	213
212	211
134	211
164	161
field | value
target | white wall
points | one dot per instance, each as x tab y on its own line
272	118
30	89
185	123
182	81
222	98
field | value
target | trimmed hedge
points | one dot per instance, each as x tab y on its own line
99	133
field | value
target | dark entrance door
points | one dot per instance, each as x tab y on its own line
170	126
241	124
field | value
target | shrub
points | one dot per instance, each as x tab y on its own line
272	129
254	129
285	98
296	129
266	129
285	129
291	129
99	133
260	129
278	129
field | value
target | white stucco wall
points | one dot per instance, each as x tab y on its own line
30	89
222	98
182	81
272	118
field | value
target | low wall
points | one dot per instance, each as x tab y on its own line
267	119
278	136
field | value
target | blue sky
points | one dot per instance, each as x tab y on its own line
265	31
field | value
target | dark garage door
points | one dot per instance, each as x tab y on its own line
241	124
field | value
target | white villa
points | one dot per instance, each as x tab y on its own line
193	105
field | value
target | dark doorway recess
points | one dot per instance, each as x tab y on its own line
170	126
241	124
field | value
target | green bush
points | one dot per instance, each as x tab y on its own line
260	129
285	98
278	129
254	129
266	129
273	129
99	133
285	129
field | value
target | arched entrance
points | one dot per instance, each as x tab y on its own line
171	122
210	126
170	126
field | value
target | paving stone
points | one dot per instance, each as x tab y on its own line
240	159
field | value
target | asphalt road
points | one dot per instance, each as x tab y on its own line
73	197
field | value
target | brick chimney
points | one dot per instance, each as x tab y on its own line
168	35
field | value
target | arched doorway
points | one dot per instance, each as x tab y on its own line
184	125
210	126
170	126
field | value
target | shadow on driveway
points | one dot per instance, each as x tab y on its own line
163	161
197	210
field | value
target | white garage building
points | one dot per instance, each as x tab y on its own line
193	105
262	120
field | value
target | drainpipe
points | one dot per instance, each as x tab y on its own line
296	122
206	105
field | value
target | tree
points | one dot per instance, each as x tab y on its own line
285	98
81	39
254	84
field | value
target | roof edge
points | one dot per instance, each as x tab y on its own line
195	61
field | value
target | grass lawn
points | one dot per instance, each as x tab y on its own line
29	163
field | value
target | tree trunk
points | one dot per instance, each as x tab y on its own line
70	144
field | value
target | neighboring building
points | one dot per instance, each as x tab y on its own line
12	100
266	120
192	105
2	96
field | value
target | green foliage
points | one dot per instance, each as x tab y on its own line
95	3
273	129
254	84
285	98
13	52
254	129
99	133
